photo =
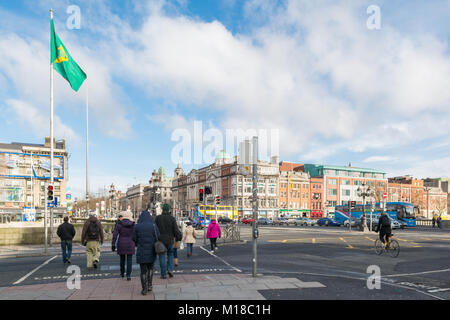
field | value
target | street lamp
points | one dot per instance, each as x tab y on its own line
364	192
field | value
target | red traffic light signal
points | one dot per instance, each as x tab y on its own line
200	193
50	193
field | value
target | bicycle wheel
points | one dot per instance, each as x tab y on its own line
394	249
379	246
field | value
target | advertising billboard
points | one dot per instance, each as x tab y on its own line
26	165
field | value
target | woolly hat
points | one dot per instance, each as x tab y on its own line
127	215
165	208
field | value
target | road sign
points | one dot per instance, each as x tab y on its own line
385	195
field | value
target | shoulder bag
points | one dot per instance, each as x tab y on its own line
160	248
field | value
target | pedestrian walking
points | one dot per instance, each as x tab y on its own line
439	221
145	235
66	232
92	238
213	233
434	220
189	236
168	228
122	235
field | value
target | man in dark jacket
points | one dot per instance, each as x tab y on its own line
66	232
92	238
145	235
384	227
168	228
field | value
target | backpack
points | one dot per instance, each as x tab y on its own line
93	231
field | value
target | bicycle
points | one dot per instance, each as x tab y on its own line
391	246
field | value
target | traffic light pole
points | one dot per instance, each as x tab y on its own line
204	215
255	206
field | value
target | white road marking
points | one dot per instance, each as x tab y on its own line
33	271
234	268
413	274
439	290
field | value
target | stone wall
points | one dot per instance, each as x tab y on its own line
36	235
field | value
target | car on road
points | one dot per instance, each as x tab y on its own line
265	221
328	222
198	222
224	220
353	222
280	221
247	220
302	221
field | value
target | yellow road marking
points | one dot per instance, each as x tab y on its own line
370	239
348	245
313	240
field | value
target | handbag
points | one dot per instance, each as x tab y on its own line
160	248
176	245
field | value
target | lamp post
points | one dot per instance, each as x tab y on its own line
364	192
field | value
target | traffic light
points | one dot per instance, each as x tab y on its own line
208	190
352	204
50	193
200	194
217	199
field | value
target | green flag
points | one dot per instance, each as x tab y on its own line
63	62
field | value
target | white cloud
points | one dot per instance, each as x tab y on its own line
379	159
39	121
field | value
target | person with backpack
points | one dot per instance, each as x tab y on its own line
168	228
384	227
213	233
92	238
189	237
66	232
122	238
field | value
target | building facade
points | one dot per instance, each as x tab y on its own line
25	174
340	184
441	183
158	192
294	192
226	180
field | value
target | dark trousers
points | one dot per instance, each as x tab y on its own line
213	242
146	275
129	259
66	247
383	234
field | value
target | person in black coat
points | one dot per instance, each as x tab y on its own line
66	232
384	227
168	227
145	235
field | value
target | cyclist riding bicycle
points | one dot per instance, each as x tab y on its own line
384	227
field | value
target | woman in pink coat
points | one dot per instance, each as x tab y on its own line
213	233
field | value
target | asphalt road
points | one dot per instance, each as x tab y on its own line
333	256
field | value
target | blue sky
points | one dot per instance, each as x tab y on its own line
336	91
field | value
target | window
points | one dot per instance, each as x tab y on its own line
332	181
346	182
346	193
332	192
358	183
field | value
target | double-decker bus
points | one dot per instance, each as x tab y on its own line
211	212
402	211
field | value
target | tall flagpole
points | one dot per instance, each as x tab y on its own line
51	149
87	148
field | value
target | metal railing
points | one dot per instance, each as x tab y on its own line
231	232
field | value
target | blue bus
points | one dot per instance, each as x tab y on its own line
402	211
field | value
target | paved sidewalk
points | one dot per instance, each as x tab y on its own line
180	287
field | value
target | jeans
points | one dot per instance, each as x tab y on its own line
66	245
175	253
129	259
166	261
189	247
